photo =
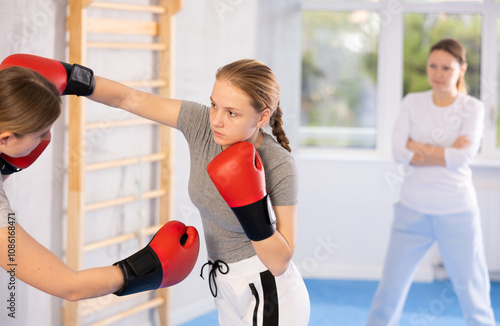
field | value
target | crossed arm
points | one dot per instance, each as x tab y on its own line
428	155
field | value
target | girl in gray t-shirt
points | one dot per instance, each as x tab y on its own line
256	280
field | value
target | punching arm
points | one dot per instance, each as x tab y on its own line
167	260
39	267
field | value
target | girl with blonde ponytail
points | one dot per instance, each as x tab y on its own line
252	278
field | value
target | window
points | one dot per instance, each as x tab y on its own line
339	69
359	58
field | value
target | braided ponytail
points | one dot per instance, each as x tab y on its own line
276	124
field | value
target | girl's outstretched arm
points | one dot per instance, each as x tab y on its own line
147	105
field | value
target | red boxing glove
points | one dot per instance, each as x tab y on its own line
167	260
69	79
9	165
238	174
52	70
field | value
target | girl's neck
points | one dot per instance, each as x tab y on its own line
444	98
256	139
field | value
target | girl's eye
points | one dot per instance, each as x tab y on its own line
232	114
212	105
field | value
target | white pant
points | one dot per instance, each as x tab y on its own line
460	242
248	294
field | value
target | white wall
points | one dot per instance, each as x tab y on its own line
345	207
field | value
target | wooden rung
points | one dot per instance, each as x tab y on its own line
152	229
119	239
109	242
131	46
118	124
127	7
146	83
156	302
153	194
91	306
127	161
110	203
124	200
120	26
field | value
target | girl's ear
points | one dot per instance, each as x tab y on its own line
5	136
264	118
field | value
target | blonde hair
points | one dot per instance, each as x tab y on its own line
258	81
456	49
28	102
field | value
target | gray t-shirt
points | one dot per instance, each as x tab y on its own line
224	235
5	209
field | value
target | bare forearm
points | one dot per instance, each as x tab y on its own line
40	268
94	282
110	93
274	252
78	285
146	105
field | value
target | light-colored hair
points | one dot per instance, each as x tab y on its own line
258	81
28	102
456	49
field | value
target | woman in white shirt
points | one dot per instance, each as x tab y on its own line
437	132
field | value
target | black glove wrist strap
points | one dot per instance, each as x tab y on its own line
81	81
257	219
141	272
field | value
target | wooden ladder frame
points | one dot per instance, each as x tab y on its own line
79	25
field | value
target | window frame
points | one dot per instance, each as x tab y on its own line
390	67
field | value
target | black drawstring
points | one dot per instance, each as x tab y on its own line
216	265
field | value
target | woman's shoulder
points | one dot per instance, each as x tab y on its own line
470	100
417	96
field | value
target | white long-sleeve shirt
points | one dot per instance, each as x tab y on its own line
438	189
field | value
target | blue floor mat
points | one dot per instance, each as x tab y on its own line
347	303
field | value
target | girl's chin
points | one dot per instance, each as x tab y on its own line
218	141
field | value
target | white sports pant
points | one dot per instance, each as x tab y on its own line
460	241
248	294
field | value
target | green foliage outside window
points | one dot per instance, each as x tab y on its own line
339	67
